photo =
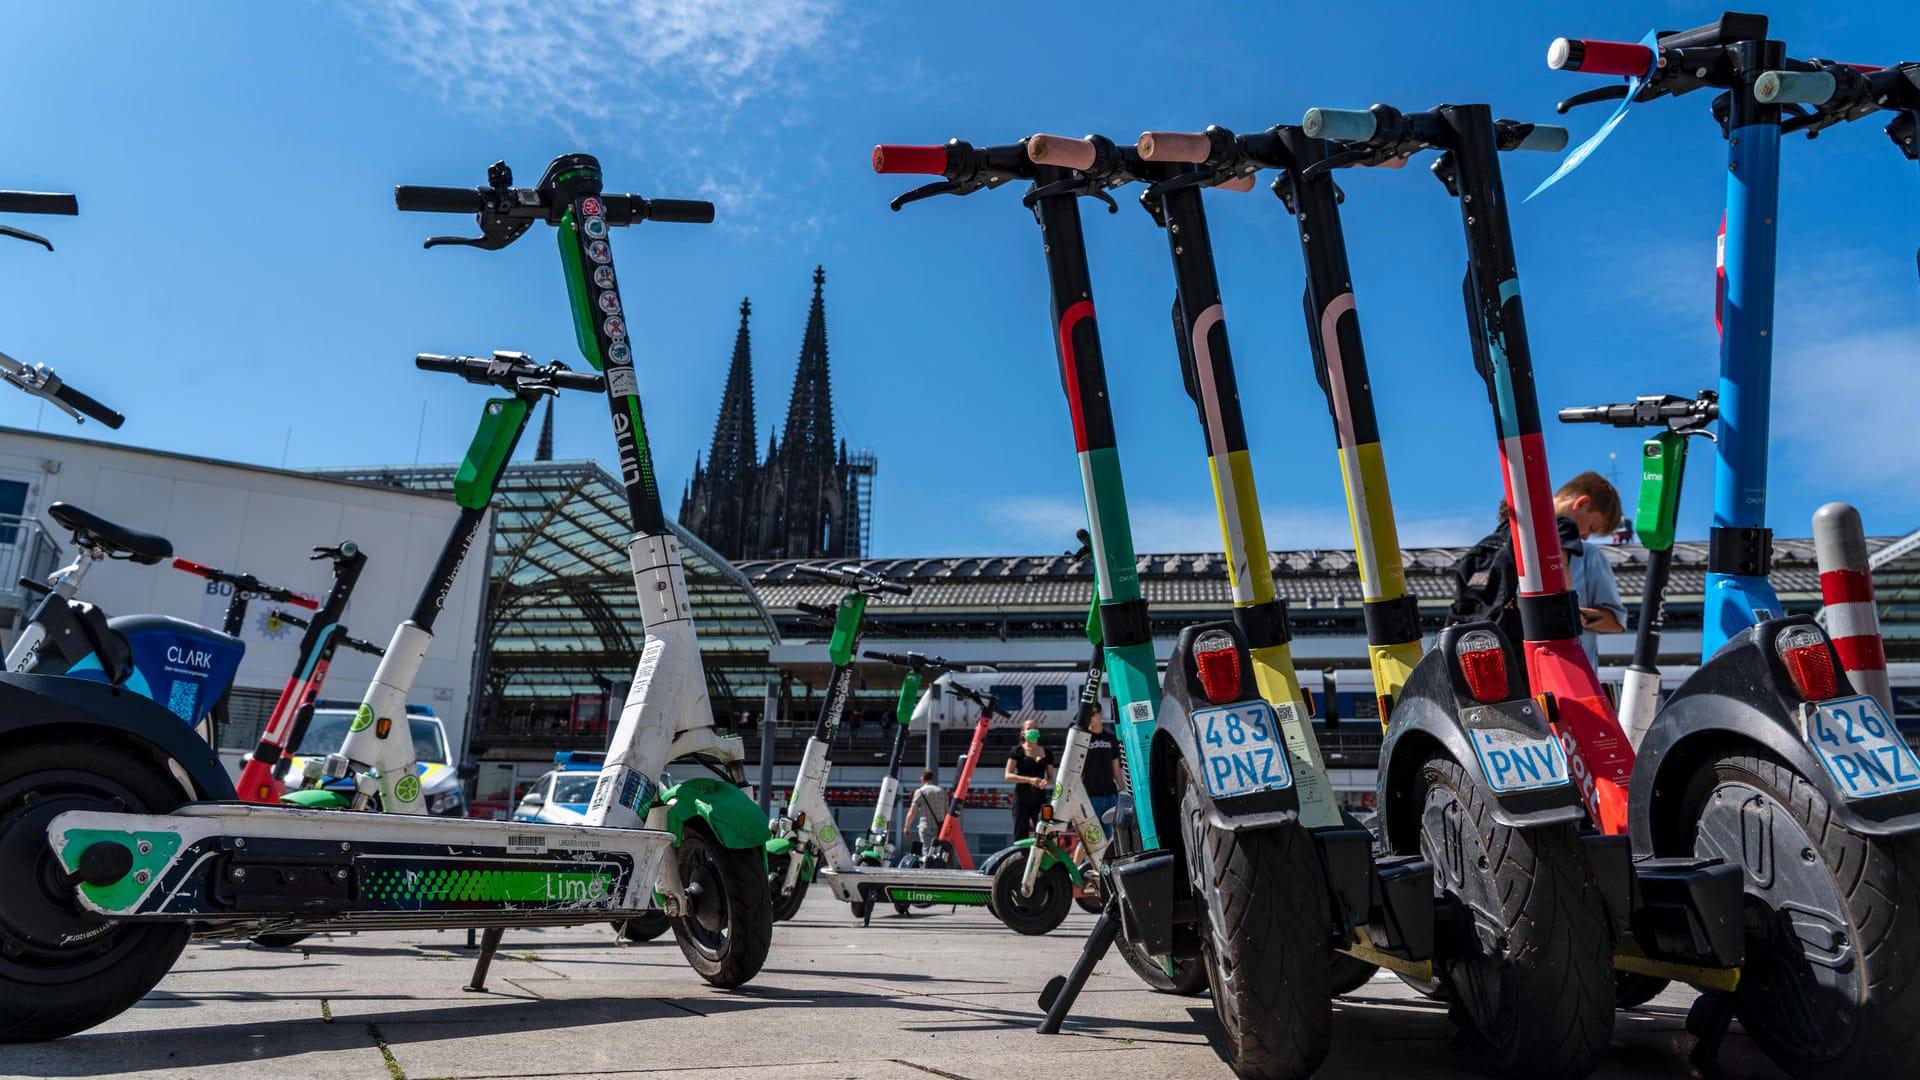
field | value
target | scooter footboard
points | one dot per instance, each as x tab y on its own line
1681	909
211	861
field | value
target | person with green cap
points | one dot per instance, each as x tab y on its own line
1030	771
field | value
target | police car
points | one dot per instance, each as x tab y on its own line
560	797
439	781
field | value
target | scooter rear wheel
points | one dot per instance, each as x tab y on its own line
1831	985
1268	954
1531	973
63	970
727	934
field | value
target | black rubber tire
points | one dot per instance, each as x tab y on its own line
1542	1005
1431	989
1857	1017
49	989
785	905
1269	956
283	940
1350	974
1632	990
1091	904
1036	914
1189	978
726	939
643	928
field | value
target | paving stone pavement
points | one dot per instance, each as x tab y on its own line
938	994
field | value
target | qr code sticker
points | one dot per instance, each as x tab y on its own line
1140	712
182	698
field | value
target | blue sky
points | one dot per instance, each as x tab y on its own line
240	285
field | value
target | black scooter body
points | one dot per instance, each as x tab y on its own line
1742	693
77	706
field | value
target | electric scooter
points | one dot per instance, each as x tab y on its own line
860	879
146	844
1235	878
1769	728
950	847
876	846
246	588
1663	466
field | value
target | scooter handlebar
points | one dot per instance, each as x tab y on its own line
248	583
909	660
1550	138
680	211
82	403
38	202
925	160
1622	58
509	370
439	200
1187	147
1062	151
1339	125
1802	87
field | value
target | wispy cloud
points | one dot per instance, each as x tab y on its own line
595	67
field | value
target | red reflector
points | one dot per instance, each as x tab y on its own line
1809	662
1483	663
1218	662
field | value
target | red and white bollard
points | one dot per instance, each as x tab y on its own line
1846	588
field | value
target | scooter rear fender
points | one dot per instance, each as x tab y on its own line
50	706
1742	696
1432	714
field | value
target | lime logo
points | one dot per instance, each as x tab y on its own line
363	719
407	789
828	833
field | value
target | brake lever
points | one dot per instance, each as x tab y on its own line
1589	97
494	234
22	234
927	191
1340	161
1073	185
1181	183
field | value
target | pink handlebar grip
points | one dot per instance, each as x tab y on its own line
1238	183
1600	57
1062	151
1175	146
930	160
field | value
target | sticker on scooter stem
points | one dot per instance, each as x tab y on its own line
1240	749
1518	760
1862	750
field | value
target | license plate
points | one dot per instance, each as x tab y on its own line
1518	760
1862	749
1240	749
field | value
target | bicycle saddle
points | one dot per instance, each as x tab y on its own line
96	531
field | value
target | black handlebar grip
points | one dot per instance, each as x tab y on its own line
87	405
889	657
434	362
439	200
683	211
39	202
895	587
578	380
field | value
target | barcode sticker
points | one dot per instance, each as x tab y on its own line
526	843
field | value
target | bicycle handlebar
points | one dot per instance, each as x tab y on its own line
511	371
248	583
38	202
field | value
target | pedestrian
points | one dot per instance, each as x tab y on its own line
929	806
1100	773
1030	771
1588	506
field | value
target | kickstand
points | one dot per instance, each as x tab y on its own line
866	894
1707	1022
1061	990
489	943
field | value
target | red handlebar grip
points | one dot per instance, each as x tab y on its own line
930	160
192	567
1184	146
1600	57
305	601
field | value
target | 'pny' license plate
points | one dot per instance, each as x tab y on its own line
1517	761
1861	748
1240	749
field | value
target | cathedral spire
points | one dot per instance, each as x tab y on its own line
733	456
809	433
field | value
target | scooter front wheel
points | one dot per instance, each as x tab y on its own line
1268	955
785	904
1035	913
62	969
1831	984
726	934
1530	973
